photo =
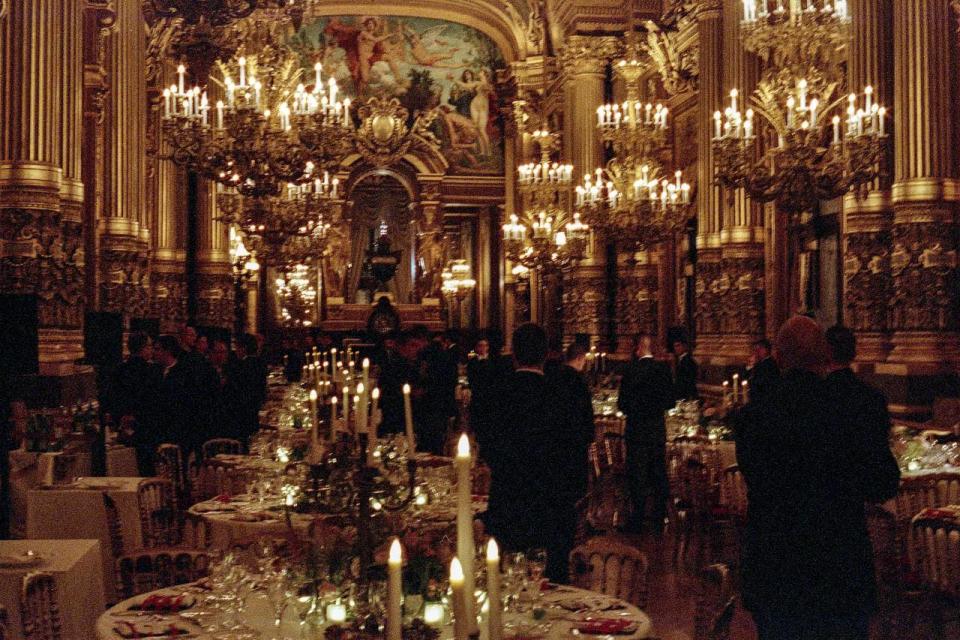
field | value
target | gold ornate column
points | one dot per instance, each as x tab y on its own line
734	299
583	63
430	245
214	278
41	249
123	233
710	280
867	219
925	304
168	277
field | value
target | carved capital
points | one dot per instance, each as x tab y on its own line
215	300
867	281
923	268
730	296
588	55
99	21
676	58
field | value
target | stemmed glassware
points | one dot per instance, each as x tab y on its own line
514	579
536	564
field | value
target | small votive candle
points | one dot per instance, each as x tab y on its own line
433	613
336	612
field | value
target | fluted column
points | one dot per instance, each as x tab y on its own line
124	234
214	279
584	61
867	219
710	98
925	305
168	270
41	250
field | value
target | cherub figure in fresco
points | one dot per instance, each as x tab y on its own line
425	56
364	46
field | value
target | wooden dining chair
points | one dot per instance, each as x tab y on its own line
611	566
715	604
149	570
114	526
168	462
217	446
159	518
39	612
936	558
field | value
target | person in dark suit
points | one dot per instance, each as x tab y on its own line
764	374
686	373
176	398
134	400
575	434
483	374
807	569
398	367
526	489
646	391
250	385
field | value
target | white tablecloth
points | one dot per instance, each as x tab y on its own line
75	565
258	616
70	512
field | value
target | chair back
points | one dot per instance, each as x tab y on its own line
217	477
217	446
715	604
114	525
168	461
733	491
159	518
39	612
611	566
926	491
146	571
936	553
887	550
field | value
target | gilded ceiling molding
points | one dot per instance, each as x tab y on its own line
588	54
593	16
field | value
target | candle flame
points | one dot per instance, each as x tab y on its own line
493	551
333	400
360	388
406	389
463	446
375	394
396	552
366	363
456	571
313	395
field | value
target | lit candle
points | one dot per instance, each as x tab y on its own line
375	417
315	417
736	387
726	391
461	626
408	417
394	591
836	129
494	598
243	71
361	417
745	386
346	408
334	424
336	612
365	376
181	73
463	463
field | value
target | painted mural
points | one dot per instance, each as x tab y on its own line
423	62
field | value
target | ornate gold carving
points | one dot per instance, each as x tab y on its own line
923	265
385	135
169	296
584	305
532	25
730	297
867	288
215	300
637	307
124	279
588	54
678	66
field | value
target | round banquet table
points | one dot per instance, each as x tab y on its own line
240	520
558	623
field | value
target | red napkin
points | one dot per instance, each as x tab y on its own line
224	498
606	626
158	602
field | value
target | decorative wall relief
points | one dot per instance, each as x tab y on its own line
215	300
584	305
124	280
730	297
867	288
637	307
169	299
923	265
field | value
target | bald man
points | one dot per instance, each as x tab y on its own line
807	568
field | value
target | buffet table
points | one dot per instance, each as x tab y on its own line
565	608
76	568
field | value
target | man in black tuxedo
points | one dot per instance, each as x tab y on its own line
526	490
646	391
764	374
134	400
807	567
250	385
176	399
686	374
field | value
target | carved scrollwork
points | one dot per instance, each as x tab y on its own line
385	135
678	68
923	265
124	283
169	299
637	308
588	54
215	300
866	269
584	305
730	297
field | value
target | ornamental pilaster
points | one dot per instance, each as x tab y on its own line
710	97
431	252
925	305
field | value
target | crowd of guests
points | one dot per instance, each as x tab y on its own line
186	389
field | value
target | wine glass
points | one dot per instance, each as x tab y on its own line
537	564
300	594
514	578
276	590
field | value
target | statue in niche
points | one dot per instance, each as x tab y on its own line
380	234
431	251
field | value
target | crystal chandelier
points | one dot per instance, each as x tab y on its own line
457	279
298	296
798	141
629	202
548	237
